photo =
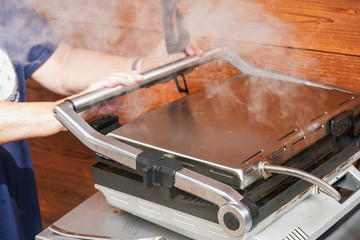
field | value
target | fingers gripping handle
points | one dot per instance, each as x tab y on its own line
150	78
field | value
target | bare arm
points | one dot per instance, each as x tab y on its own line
70	70
26	120
20	120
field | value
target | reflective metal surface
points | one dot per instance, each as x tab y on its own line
227	128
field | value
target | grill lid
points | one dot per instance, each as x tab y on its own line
232	125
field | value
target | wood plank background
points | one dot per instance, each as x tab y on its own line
314	39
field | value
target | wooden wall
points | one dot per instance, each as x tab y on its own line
315	39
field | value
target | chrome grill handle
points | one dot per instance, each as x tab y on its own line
234	216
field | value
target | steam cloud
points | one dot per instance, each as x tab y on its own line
261	36
218	22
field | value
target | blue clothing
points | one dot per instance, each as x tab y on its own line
28	41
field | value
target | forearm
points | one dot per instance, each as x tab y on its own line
70	70
27	120
85	67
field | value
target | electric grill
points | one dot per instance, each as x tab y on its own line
230	161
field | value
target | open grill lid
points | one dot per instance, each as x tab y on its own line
229	127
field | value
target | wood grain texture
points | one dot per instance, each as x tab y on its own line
310	24
314	39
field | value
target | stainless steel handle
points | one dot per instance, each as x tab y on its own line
251	69
103	145
92	99
228	200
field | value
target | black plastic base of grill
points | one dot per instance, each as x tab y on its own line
268	198
132	184
277	191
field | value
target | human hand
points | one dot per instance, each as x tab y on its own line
159	56
36	119
109	81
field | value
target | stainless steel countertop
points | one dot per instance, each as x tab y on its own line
95	216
